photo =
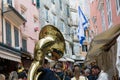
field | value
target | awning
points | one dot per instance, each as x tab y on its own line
102	42
108	34
95	49
7	55
13	15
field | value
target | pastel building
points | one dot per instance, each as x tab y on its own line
19	30
103	15
104	31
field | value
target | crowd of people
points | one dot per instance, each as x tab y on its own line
58	73
76	73
18	74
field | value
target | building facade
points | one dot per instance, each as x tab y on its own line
56	12
104	29
79	53
19	30
103	15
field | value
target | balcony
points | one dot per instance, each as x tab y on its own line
9	12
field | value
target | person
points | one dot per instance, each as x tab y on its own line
2	77
21	73
60	73
47	74
69	73
98	73
88	74
77	75
13	75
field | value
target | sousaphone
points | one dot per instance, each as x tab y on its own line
51	44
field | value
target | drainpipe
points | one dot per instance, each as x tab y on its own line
2	22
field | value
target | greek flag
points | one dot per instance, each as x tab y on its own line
82	26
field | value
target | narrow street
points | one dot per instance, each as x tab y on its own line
60	40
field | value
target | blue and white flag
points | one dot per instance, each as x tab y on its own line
82	26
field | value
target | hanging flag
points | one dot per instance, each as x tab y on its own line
82	26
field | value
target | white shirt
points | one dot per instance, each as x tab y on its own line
118	55
80	78
103	76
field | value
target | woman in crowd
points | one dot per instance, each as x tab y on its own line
78	75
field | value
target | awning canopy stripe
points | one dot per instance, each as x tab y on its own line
7	55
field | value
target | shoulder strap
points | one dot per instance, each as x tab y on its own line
57	76
64	77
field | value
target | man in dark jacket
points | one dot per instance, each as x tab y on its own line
60	73
47	74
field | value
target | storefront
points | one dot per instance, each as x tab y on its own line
9	59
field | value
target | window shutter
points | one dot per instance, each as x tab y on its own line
38	3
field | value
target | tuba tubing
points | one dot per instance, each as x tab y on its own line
51	44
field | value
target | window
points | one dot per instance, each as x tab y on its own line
84	48
16	37
53	1
8	33
85	33
118	6
38	4
60	1
53	19
46	13
62	26
103	20
68	13
109	12
9	2
24	44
